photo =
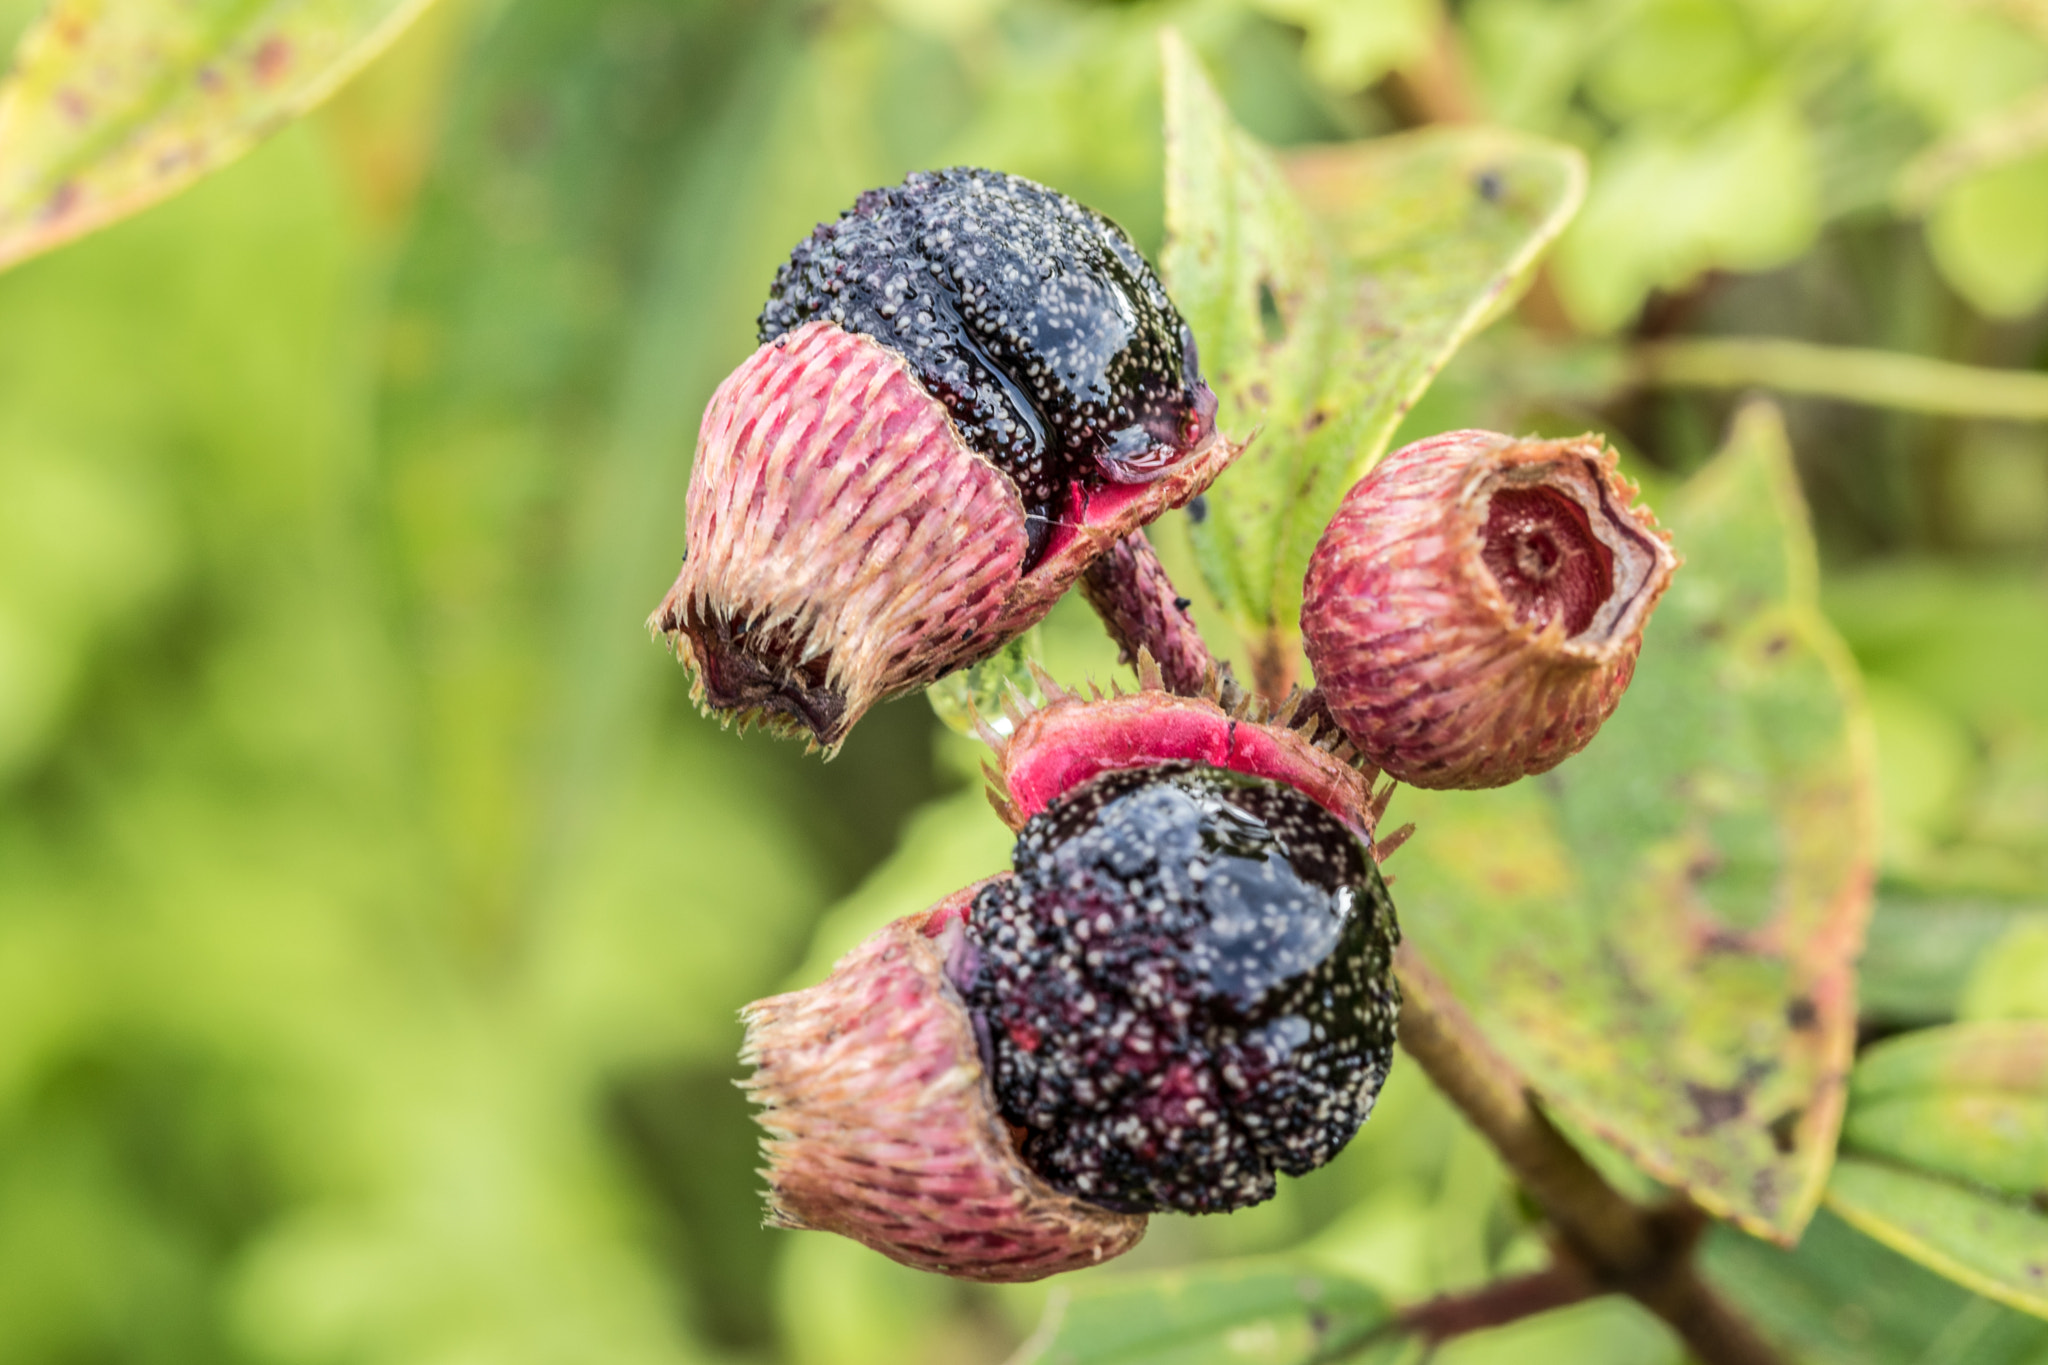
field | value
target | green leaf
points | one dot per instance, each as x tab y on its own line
1660	931
1840	1298
111	107
1980	239
1248	1313
1326	288
1946	1155
1739	193
1923	954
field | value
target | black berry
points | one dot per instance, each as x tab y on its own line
1033	319
1186	987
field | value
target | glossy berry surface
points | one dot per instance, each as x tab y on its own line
1185	989
1033	319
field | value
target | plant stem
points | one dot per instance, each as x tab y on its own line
1885	379
1129	589
1624	1247
1496	1305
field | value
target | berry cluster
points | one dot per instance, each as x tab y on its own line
970	392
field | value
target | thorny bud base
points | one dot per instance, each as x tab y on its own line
1474	610
969	387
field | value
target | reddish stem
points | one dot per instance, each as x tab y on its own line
1129	589
1496	1305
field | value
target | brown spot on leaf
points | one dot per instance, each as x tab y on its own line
273	58
1722	939
1313	420
62	202
1784	1131
73	105
1801	1014
1763	1188
1777	645
1716	1106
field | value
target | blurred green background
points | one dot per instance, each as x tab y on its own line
374	909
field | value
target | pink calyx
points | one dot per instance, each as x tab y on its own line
1070	741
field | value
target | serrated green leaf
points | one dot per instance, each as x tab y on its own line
1946	1155
113	106
1660	931
1250	1313
1326	288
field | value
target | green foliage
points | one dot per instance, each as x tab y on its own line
1325	291
1842	1299
1946	1154
1229	1314
373	915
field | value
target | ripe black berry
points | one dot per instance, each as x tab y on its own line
1033	319
1186	987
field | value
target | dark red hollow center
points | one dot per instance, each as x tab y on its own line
1542	551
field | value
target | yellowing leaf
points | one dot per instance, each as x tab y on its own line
114	104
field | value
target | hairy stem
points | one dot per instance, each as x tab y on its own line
1623	1246
1130	591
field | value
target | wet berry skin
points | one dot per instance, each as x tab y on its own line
1034	320
1186	988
